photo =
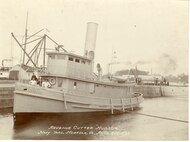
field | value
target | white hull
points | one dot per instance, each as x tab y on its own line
34	99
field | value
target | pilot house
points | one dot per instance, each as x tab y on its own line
68	64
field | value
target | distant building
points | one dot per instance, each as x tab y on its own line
25	73
4	72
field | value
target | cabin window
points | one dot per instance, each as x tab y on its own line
75	85
70	59
51	56
60	82
92	88
83	62
77	60
61	57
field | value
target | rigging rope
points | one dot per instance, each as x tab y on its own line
166	118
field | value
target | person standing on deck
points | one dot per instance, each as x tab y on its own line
33	80
34	77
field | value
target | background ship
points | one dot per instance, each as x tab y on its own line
4	69
151	85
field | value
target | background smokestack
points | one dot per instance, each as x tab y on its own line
90	42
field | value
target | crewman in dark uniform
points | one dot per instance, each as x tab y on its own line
34	77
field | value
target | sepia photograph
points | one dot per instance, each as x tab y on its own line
94	70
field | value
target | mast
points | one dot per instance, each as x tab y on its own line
12	51
136	74
25	37
44	55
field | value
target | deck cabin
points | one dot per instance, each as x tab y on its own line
68	64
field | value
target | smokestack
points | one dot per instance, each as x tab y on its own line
90	42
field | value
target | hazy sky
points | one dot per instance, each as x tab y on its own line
152	33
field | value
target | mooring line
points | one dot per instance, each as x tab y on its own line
166	118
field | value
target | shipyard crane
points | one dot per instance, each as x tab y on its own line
38	49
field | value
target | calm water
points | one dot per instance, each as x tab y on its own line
128	126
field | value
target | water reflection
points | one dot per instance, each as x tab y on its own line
74	127
6	123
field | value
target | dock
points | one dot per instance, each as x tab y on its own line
6	93
151	91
